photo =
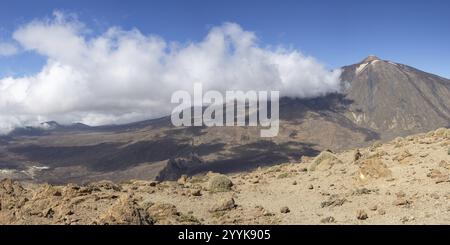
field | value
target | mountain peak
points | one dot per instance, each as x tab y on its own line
377	86
370	58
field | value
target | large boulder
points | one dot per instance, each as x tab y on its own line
220	183
167	214
373	168
125	211
324	161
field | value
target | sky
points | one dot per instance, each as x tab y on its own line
335	32
102	62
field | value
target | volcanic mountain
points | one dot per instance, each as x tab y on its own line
394	99
379	101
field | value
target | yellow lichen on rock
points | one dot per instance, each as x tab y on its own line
373	168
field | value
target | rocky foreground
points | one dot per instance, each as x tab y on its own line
405	181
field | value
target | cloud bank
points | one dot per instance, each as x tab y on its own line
121	75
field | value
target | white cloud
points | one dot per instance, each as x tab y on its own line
8	49
124	75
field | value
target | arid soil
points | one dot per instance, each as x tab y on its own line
405	181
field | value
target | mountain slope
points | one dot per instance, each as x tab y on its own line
143	150
395	99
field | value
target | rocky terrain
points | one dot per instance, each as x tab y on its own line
403	181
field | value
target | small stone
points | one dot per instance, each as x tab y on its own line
443	179
49	213
285	210
329	219
373	208
223	205
182	180
424	154
255	181
406	219
197	193
282	176
310	187
434	174
434	196
294	183
333	201
444	164
361	215
260	208
400	194
357	156
362	191
401	201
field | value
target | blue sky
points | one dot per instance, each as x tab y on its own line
335	32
